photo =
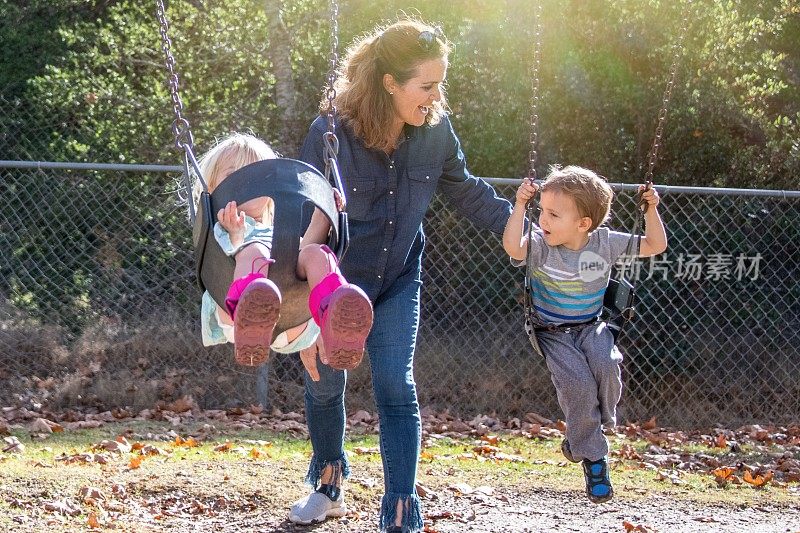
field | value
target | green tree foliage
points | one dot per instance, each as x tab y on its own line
733	119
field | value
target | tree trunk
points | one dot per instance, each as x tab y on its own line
279	53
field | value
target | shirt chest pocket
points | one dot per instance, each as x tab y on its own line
422	181
360	192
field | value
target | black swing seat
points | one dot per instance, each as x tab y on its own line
295	187
618	308
617	304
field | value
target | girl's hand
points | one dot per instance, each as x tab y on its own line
232	220
526	191
337	197
649	196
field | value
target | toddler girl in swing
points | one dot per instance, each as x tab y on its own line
341	312
571	255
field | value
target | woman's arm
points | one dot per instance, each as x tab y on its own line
471	196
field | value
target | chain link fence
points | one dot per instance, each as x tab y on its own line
99	308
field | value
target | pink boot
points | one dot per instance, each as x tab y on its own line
254	302
344	315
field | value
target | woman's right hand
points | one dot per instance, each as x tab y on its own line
526	191
232	220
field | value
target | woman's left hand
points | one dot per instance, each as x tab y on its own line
309	358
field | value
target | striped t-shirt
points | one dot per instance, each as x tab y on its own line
567	286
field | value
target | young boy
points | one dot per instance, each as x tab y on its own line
571	258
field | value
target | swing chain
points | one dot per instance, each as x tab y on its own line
652	156
532	205
329	139
180	126
534	120
333	58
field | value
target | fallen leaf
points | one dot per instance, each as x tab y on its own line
181	405
185	443
13	445
634	528
255	453
224	447
672	477
490	439
92	520
425	456
425	492
64	507
136	462
461	488
119	445
359	450
706	519
486	450
91	493
42	425
119	491
759	480
724	474
149	449
650	424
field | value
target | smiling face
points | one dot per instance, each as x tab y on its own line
413	99
561	221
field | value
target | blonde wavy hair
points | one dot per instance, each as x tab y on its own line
592	193
395	49
229	154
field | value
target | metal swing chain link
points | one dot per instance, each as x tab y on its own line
330	141
531	206
534	120
652	155
180	126
333	59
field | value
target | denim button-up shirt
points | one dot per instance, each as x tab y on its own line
387	197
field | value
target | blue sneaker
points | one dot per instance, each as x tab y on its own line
598	484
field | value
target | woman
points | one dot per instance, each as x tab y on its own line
397	148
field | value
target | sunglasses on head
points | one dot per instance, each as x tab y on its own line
427	39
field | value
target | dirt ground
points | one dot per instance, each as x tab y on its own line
70	479
541	510
255	496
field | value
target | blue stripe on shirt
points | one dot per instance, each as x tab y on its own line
591	305
538	285
575	318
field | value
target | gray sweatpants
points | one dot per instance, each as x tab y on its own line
585	369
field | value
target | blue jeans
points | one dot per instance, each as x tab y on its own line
390	347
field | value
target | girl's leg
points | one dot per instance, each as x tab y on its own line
342	310
249	258
391	350
253	303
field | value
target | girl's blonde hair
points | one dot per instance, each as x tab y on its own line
396	49
228	155
592	193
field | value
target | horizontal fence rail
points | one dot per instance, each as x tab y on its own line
99	307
